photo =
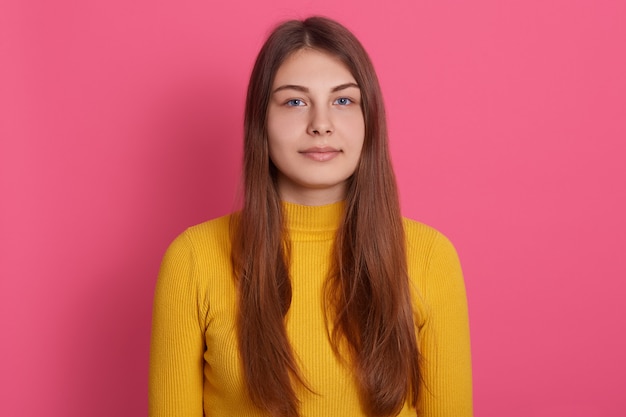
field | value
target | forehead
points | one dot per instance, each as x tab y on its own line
311	66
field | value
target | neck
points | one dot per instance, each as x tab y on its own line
311	196
312	222
296	193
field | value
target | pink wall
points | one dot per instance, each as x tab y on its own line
120	125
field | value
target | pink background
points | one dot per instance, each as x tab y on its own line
121	125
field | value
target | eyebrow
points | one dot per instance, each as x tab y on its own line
306	90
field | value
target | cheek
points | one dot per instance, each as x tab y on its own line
271	125
274	131
274	148
282	119
277	143
357	127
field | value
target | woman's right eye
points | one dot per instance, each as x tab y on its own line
294	102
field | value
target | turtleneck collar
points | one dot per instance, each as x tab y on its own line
312	222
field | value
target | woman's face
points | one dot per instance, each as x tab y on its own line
315	127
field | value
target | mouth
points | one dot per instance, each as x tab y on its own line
321	154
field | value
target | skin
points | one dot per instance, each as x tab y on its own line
315	127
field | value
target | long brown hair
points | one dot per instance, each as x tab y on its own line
367	291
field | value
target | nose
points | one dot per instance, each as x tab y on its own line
320	123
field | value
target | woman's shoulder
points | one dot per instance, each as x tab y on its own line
427	248
206	238
434	270
210	229
423	237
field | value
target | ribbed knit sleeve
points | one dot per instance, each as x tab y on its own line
195	367
444	331
177	345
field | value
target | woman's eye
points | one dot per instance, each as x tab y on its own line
295	102
343	101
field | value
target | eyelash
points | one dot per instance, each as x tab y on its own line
291	103
296	102
348	101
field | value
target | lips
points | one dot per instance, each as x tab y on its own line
321	154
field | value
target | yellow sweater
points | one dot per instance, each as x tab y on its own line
194	361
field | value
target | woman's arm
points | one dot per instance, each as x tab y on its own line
444	338
177	345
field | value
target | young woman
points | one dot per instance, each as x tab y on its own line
317	298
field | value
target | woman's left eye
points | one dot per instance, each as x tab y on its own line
343	101
295	102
